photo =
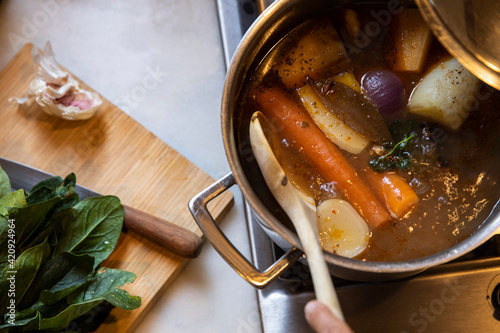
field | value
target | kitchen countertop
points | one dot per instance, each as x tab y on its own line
162	63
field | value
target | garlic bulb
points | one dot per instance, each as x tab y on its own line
56	92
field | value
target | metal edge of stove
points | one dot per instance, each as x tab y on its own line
236	13
235	17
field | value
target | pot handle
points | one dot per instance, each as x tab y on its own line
257	278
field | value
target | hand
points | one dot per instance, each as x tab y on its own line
322	319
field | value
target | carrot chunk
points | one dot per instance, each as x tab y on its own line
288	116
398	195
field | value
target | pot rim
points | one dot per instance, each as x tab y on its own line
265	24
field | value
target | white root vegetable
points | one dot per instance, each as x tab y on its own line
336	131
341	229
301	216
446	94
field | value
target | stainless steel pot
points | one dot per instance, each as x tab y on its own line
276	21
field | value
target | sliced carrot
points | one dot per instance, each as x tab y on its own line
398	195
296	124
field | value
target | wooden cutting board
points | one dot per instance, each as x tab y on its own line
111	154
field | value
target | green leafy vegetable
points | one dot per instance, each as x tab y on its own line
92	227
60	276
23	271
13	199
52	244
397	157
104	286
4	183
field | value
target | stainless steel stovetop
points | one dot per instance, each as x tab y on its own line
462	296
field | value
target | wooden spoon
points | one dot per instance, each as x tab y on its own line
302	217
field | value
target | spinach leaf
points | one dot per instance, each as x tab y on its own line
23	272
45	310
27	219
13	199
41	194
104	286
51	182
4	183
22	325
62	241
69	200
59	277
91	227
70	271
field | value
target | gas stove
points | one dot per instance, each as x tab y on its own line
460	296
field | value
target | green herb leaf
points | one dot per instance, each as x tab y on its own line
400	129
397	157
91	227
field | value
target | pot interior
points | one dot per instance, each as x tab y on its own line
271	27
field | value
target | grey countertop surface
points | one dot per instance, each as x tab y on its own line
116	47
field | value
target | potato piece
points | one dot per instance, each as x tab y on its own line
445	94
352	24
319	49
348	79
341	229
412	38
336	131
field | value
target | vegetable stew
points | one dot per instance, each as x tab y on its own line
378	114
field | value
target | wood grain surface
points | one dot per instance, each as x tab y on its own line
112	154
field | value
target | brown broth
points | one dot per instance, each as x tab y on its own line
454	173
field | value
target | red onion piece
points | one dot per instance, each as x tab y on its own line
386	91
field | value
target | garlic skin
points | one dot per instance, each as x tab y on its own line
56	92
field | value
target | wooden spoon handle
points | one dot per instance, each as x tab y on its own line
166	234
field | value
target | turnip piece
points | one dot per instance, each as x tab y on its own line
386	92
446	94
336	131
412	38
341	229
298	212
